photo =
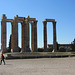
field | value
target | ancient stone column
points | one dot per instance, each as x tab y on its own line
24	37
34	36
28	34
3	33
54	37
12	37
27	23
45	35
14	47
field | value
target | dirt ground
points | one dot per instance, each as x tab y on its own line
41	66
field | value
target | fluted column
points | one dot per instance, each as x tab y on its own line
54	37
27	36
12	36
15	35
24	37
34	36
3	33
45	35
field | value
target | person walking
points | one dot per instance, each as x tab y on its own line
2	58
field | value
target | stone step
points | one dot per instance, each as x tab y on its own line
18	55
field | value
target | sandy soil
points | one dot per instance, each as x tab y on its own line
41	66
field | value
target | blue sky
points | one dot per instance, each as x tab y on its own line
63	11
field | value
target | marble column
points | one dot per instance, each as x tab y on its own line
34	36
12	36
3	33
28	36
15	35
45	35
24	36
54	37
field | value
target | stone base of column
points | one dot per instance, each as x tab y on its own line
55	47
27	50
35	50
14	50
54	50
4	51
22	51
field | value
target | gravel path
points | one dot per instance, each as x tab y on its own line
41	66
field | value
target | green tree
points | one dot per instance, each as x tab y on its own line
68	49
40	49
50	49
9	48
62	49
73	45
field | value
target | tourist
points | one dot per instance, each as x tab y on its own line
2	58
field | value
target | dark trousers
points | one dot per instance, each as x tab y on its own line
3	61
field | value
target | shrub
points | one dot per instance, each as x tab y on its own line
40	49
62	49
50	49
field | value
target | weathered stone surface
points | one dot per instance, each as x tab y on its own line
54	34
28	37
15	35
12	37
54	37
24	36
45	35
9	20
25	33
34	36
49	20
3	33
28	34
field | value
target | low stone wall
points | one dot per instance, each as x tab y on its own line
17	55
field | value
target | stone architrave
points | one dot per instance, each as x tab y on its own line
3	33
34	36
24	36
54	37
45	35
14	47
